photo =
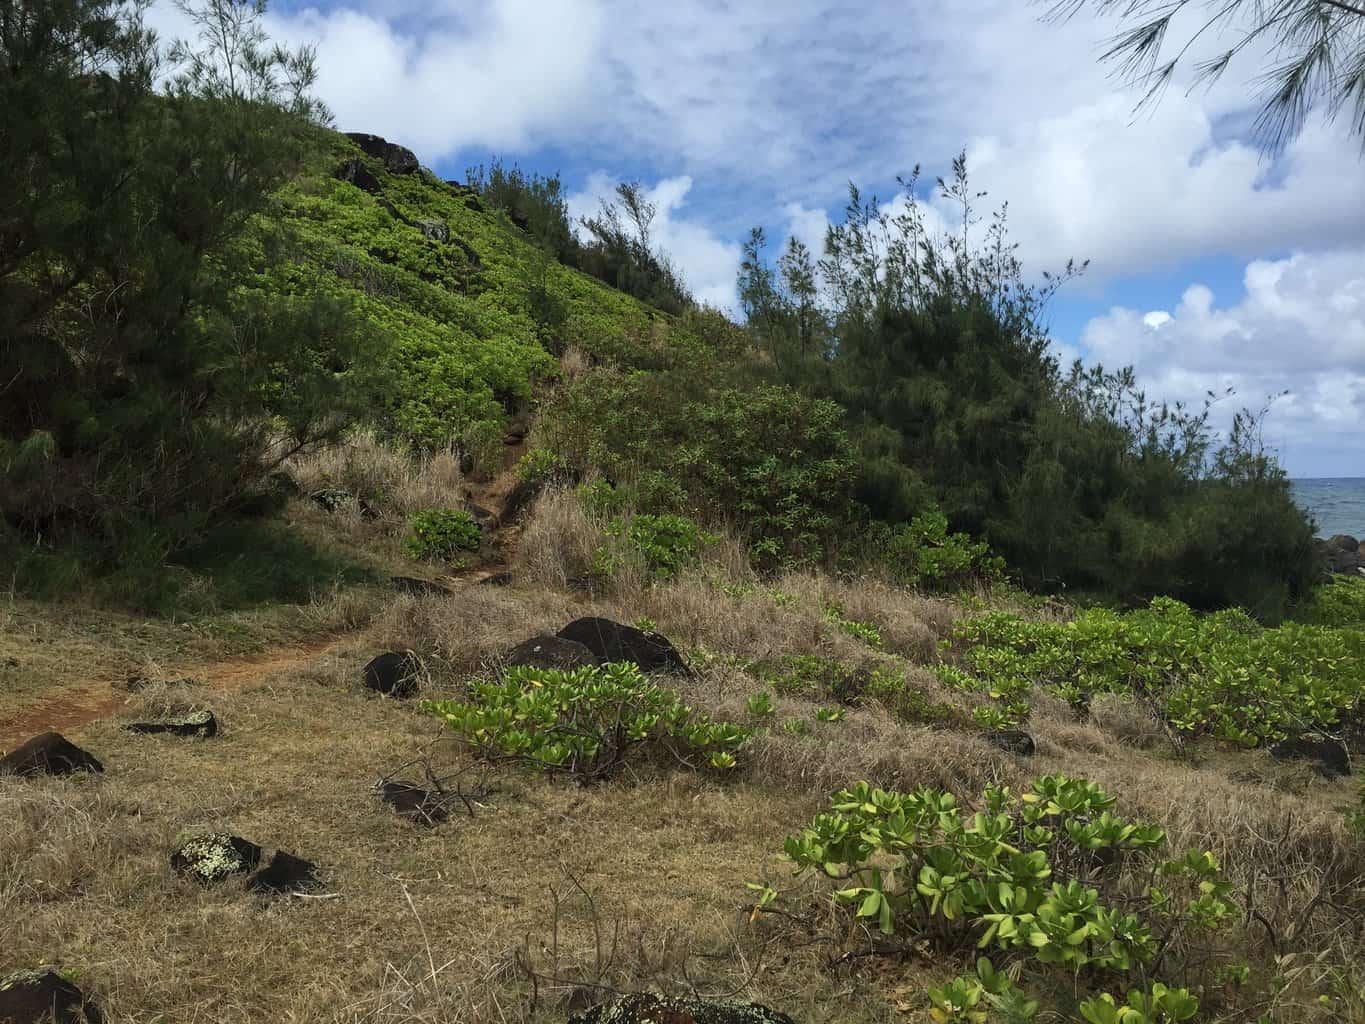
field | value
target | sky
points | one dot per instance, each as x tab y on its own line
1210	267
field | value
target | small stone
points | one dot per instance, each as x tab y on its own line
1012	741
49	754
417	805
286	873
550	652
43	996
393	674
198	724
652	1009
215	856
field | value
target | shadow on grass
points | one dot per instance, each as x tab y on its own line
237	566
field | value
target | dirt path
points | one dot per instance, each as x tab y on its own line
80	704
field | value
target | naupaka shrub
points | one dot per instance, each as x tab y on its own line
584	722
440	534
1052	875
1222	674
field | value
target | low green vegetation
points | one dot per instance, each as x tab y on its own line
663	544
584	723
441	534
1052	879
1220	674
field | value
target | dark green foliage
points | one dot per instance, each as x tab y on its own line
144	388
621	252
441	534
533	203
923	554
773	460
942	363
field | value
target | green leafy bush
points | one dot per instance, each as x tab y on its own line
440	534
1041	875
924	554
1220	674
664	544
1340	603
584	723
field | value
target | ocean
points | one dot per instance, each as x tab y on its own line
1338	504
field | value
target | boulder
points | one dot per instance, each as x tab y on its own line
436	230
332	499
1012	741
397	159
214	856
393	674
547	651
614	641
652	1009
417	587
43	996
1329	755
413	803
50	753
285	873
356	173
1344	542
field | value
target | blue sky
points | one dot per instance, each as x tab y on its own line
1210	268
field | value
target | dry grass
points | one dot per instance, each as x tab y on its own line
633	885
395	482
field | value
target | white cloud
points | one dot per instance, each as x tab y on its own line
1299	327
708	263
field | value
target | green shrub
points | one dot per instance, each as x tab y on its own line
583	723
1220	674
923	554
1042	876
440	534
664	544
1340	603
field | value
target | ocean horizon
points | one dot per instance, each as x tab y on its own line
1337	503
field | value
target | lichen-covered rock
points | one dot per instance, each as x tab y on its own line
546	651
394	674
50	753
43	996
613	641
436	230
197	724
285	873
651	1009
214	856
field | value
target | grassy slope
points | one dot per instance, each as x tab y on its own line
431	926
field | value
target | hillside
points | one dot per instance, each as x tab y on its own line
1147	803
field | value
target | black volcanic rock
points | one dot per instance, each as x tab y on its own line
50	753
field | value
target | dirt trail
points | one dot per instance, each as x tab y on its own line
82	703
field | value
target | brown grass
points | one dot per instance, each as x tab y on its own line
636	884
397	483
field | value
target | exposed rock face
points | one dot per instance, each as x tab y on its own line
417	805
215	856
397	159
1343	554
614	641
436	230
49	754
43	996
651	1009
1012	741
551	652
393	674
1329	756
198	724
355	172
